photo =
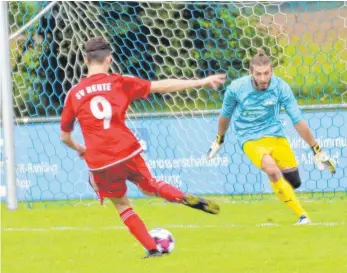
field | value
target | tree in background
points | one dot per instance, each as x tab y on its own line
161	40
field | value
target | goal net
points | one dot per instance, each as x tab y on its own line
307	45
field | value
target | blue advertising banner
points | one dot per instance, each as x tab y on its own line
47	170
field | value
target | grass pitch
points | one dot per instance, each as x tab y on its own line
256	236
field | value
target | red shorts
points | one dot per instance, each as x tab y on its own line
110	182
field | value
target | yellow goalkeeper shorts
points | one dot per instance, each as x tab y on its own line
278	147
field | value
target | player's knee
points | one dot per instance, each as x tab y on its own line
273	173
293	178
147	192
270	168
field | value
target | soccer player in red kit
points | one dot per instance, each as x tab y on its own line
111	151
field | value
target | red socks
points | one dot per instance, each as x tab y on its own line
138	228
169	192
135	224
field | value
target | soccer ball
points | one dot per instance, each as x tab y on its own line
164	240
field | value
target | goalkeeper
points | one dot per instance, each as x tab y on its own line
254	103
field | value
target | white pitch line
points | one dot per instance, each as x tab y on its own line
64	228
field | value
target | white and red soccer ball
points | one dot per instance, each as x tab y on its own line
164	240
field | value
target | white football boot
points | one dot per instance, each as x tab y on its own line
303	220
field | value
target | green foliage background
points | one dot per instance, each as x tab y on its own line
172	40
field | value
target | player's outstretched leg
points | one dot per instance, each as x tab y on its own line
142	177
283	189
135	225
285	193
172	194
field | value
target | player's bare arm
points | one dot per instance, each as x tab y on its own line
67	125
68	140
223	125
175	85
305	133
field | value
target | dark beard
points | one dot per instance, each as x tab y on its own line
255	83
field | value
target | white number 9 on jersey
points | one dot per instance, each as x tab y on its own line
105	113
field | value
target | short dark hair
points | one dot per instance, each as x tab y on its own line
97	49
260	59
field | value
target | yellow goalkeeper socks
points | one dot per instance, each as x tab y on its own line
286	194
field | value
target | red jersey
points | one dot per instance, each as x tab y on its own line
100	102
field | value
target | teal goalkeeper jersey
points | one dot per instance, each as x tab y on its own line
255	114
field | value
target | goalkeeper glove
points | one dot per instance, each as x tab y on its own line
215	146
322	160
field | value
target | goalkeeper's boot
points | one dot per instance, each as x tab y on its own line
201	204
153	253
303	220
